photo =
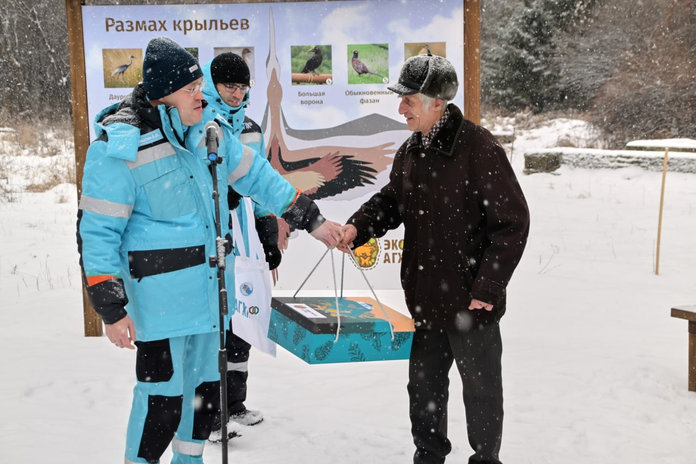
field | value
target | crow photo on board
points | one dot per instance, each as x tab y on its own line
360	67
314	61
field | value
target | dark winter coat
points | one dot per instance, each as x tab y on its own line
465	223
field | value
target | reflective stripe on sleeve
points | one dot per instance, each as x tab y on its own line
239	367
105	207
250	137
148	155
243	168
188	448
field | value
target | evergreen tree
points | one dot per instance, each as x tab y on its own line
524	71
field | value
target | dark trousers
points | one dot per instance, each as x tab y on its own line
237	372
477	353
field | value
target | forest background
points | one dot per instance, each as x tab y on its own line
626	66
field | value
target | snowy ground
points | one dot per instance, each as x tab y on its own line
595	369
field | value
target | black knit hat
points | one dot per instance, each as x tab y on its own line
430	75
229	68
167	67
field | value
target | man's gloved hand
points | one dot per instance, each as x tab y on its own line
267	228
233	198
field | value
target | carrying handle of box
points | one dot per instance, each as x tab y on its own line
338	310
333	269
310	273
386	316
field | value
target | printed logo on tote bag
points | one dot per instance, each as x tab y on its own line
246	289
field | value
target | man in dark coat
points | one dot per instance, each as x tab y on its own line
465	227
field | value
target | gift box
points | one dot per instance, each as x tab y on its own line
306	326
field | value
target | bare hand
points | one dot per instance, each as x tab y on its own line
478	304
349	233
121	333
329	233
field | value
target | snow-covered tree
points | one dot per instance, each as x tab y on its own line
34	63
524	67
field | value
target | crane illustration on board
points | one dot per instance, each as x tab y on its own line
119	71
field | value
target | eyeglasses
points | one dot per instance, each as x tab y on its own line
195	89
234	87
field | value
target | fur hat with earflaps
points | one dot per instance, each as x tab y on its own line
167	67
431	75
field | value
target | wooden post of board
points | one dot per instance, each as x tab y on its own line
692	356
659	220
689	313
472	60
78	85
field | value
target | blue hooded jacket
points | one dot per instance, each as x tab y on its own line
146	220
244	128
251	135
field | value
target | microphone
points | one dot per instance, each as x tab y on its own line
211	140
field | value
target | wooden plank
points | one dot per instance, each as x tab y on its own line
78	85
472	60
692	356
685	312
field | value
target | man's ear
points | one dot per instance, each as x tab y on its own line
438	105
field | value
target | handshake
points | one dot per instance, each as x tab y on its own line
334	235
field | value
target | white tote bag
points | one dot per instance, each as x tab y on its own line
252	314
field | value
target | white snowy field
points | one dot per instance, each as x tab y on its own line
595	369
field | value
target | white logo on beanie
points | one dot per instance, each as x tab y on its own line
193	68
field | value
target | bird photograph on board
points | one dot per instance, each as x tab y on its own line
122	67
369	64
425	48
311	64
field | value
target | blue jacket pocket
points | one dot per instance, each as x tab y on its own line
167	187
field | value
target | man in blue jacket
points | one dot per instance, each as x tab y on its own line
228	97
146	225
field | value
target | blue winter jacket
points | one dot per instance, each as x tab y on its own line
244	128
251	135
146	222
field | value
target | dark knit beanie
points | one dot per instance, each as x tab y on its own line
167	67
431	75
229	68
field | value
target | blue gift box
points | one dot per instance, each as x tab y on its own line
306	326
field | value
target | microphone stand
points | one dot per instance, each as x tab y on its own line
211	141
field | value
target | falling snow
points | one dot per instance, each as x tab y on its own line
595	369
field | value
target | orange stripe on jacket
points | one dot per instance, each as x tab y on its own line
299	192
94	280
